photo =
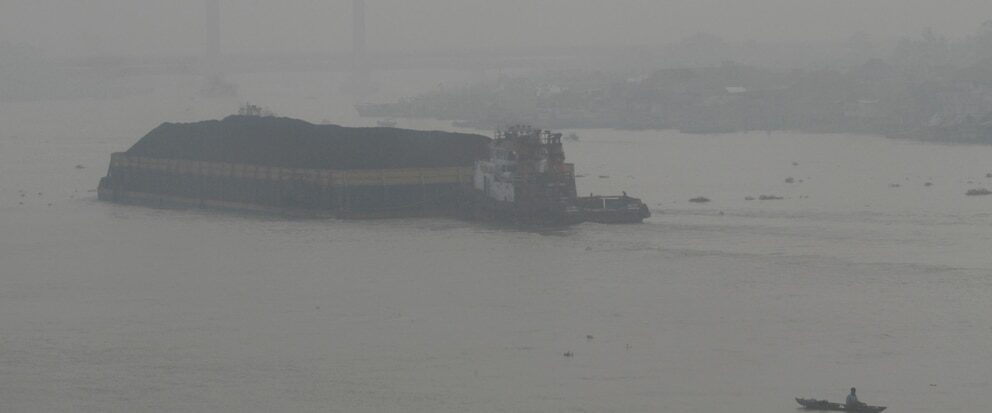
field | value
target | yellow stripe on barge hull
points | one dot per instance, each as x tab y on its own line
311	192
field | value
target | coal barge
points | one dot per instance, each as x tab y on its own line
283	165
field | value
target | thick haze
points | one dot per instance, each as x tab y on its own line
821	205
128	27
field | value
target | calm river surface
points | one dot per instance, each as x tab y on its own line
862	276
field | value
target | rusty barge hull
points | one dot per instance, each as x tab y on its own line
374	193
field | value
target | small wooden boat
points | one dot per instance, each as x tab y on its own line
823	405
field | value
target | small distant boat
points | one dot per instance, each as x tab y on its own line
823	405
386	123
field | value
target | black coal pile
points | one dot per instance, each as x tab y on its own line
292	143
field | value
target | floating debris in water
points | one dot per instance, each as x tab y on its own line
894	185
749	198
795	163
928	184
604	177
80	167
700	200
569	354
769	198
790	180
978	192
589	337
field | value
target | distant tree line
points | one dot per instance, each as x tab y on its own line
924	87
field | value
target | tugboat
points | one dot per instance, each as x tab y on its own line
618	209
526	181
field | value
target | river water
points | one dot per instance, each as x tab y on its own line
862	276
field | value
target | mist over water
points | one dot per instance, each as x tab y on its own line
126	27
729	306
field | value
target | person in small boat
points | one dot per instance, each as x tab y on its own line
852	399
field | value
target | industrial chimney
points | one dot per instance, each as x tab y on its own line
358	33
212	66
361	76
212	44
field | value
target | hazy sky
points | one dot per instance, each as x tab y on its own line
83	27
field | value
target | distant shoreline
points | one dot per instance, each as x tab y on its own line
918	135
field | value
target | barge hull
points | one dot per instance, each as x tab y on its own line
376	193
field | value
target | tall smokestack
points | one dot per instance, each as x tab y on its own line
212	49
361	76
358	30
212	65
